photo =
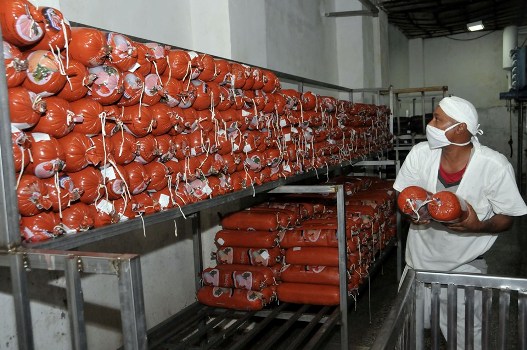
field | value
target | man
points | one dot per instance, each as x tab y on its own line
454	160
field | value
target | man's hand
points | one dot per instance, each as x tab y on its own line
472	224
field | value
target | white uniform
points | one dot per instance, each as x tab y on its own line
488	184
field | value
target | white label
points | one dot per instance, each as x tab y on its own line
235	147
245	113
287	168
192	151
287	137
296	249
39	136
293	129
265	255
135	67
123	217
104	206
308	146
207	190
14	129
108	173
220	241
164	200
247	148
283	122
192	54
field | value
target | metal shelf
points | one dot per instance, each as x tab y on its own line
127	268
203	327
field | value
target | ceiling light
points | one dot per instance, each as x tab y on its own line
475	26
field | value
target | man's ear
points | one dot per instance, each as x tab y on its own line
461	128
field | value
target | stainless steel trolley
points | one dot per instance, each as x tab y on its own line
504	304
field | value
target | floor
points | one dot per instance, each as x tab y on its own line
506	258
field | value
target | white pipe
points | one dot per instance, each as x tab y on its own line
510	42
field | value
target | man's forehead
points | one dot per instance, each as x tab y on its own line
443	115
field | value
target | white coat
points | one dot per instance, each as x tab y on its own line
488	184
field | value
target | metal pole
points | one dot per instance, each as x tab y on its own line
21	301
343	280
75	303
132	304
519	152
198	251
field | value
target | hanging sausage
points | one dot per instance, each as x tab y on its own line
137	120
158	176
92	116
40	227
58	120
89	181
20	147
103	213
146	149
153	90
32	196
25	107
133	87
138	177
178	64
61	192
79	81
43	74
123	54
57	31
412	201
15	65
116	179
108	87
88	46
22	24
158	56
77	218
48	157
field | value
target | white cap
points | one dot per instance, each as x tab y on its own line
462	111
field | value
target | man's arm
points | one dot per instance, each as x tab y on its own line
497	223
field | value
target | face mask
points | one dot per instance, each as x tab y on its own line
437	138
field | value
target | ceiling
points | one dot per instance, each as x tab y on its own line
436	18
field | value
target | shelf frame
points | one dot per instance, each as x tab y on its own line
19	256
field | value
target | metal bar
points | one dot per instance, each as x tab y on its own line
452	316
271	340
351	13
286	315
200	332
232	328
399	245
486	314
305	189
21	302
132	304
54	260
197	249
469	318
519	151
343	278
423	119
75	303
434	321
418	341
476	280
505	299
522	319
249	336
375	162
175	324
9	229
307	329
300	87
324	330
421	89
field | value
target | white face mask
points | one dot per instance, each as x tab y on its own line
437	138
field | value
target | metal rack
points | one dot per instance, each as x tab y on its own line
57	255
202	327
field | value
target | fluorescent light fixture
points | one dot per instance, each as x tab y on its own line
475	26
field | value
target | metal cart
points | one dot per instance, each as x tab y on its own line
504	303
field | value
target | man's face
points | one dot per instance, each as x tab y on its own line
440	120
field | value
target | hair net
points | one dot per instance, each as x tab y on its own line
462	111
